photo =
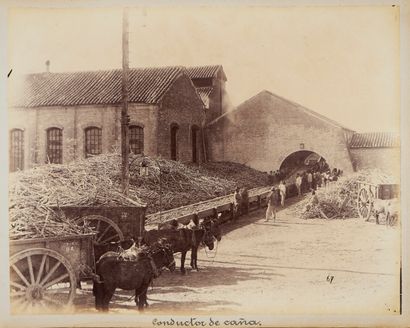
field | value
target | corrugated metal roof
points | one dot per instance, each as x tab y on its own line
204	72
375	140
204	94
147	85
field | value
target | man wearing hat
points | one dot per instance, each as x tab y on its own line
272	202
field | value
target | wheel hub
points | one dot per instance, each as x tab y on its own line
34	292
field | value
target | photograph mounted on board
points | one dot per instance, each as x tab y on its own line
204	162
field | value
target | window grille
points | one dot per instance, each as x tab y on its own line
16	150
54	146
93	141
136	139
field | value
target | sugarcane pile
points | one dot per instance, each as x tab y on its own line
338	200
188	184
242	175
36	194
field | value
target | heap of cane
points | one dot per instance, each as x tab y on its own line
35	194
338	200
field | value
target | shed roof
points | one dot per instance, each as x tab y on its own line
204	93
375	140
146	85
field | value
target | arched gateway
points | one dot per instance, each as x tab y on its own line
303	160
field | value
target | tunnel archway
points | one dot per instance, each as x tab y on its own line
303	160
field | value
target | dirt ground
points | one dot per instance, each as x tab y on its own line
281	267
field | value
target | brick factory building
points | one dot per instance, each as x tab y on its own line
59	117
180	113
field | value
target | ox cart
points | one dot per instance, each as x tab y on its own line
45	272
367	193
112	223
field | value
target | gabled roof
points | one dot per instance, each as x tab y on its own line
205	72
146	85
296	105
204	93
375	140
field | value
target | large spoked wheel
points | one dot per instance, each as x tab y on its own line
364	204
107	230
41	281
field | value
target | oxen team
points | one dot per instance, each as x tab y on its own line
128	266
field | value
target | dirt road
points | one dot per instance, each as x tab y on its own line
282	268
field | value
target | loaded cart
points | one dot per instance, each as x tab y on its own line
112	223
367	193
44	271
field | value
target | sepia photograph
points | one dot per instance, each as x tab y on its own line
210	164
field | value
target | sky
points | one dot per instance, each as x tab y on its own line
342	62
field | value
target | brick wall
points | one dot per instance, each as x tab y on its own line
181	105
386	159
73	120
264	130
215	101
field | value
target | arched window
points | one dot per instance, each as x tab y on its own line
93	141
54	146
16	150
194	143
174	141
136	139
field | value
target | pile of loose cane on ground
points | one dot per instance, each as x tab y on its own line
96	181
339	199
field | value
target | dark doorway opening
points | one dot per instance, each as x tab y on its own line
174	141
194	142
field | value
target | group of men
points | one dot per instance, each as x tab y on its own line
311	180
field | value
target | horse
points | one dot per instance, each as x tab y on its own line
113	273
183	239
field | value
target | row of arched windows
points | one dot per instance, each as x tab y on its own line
54	144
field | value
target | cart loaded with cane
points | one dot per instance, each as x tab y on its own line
45	272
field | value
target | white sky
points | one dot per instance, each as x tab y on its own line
342	62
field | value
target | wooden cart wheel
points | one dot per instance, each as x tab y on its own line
364	204
107	230
41	280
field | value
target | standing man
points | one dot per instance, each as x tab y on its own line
272	202
237	202
298	183
244	200
309	180
282	192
